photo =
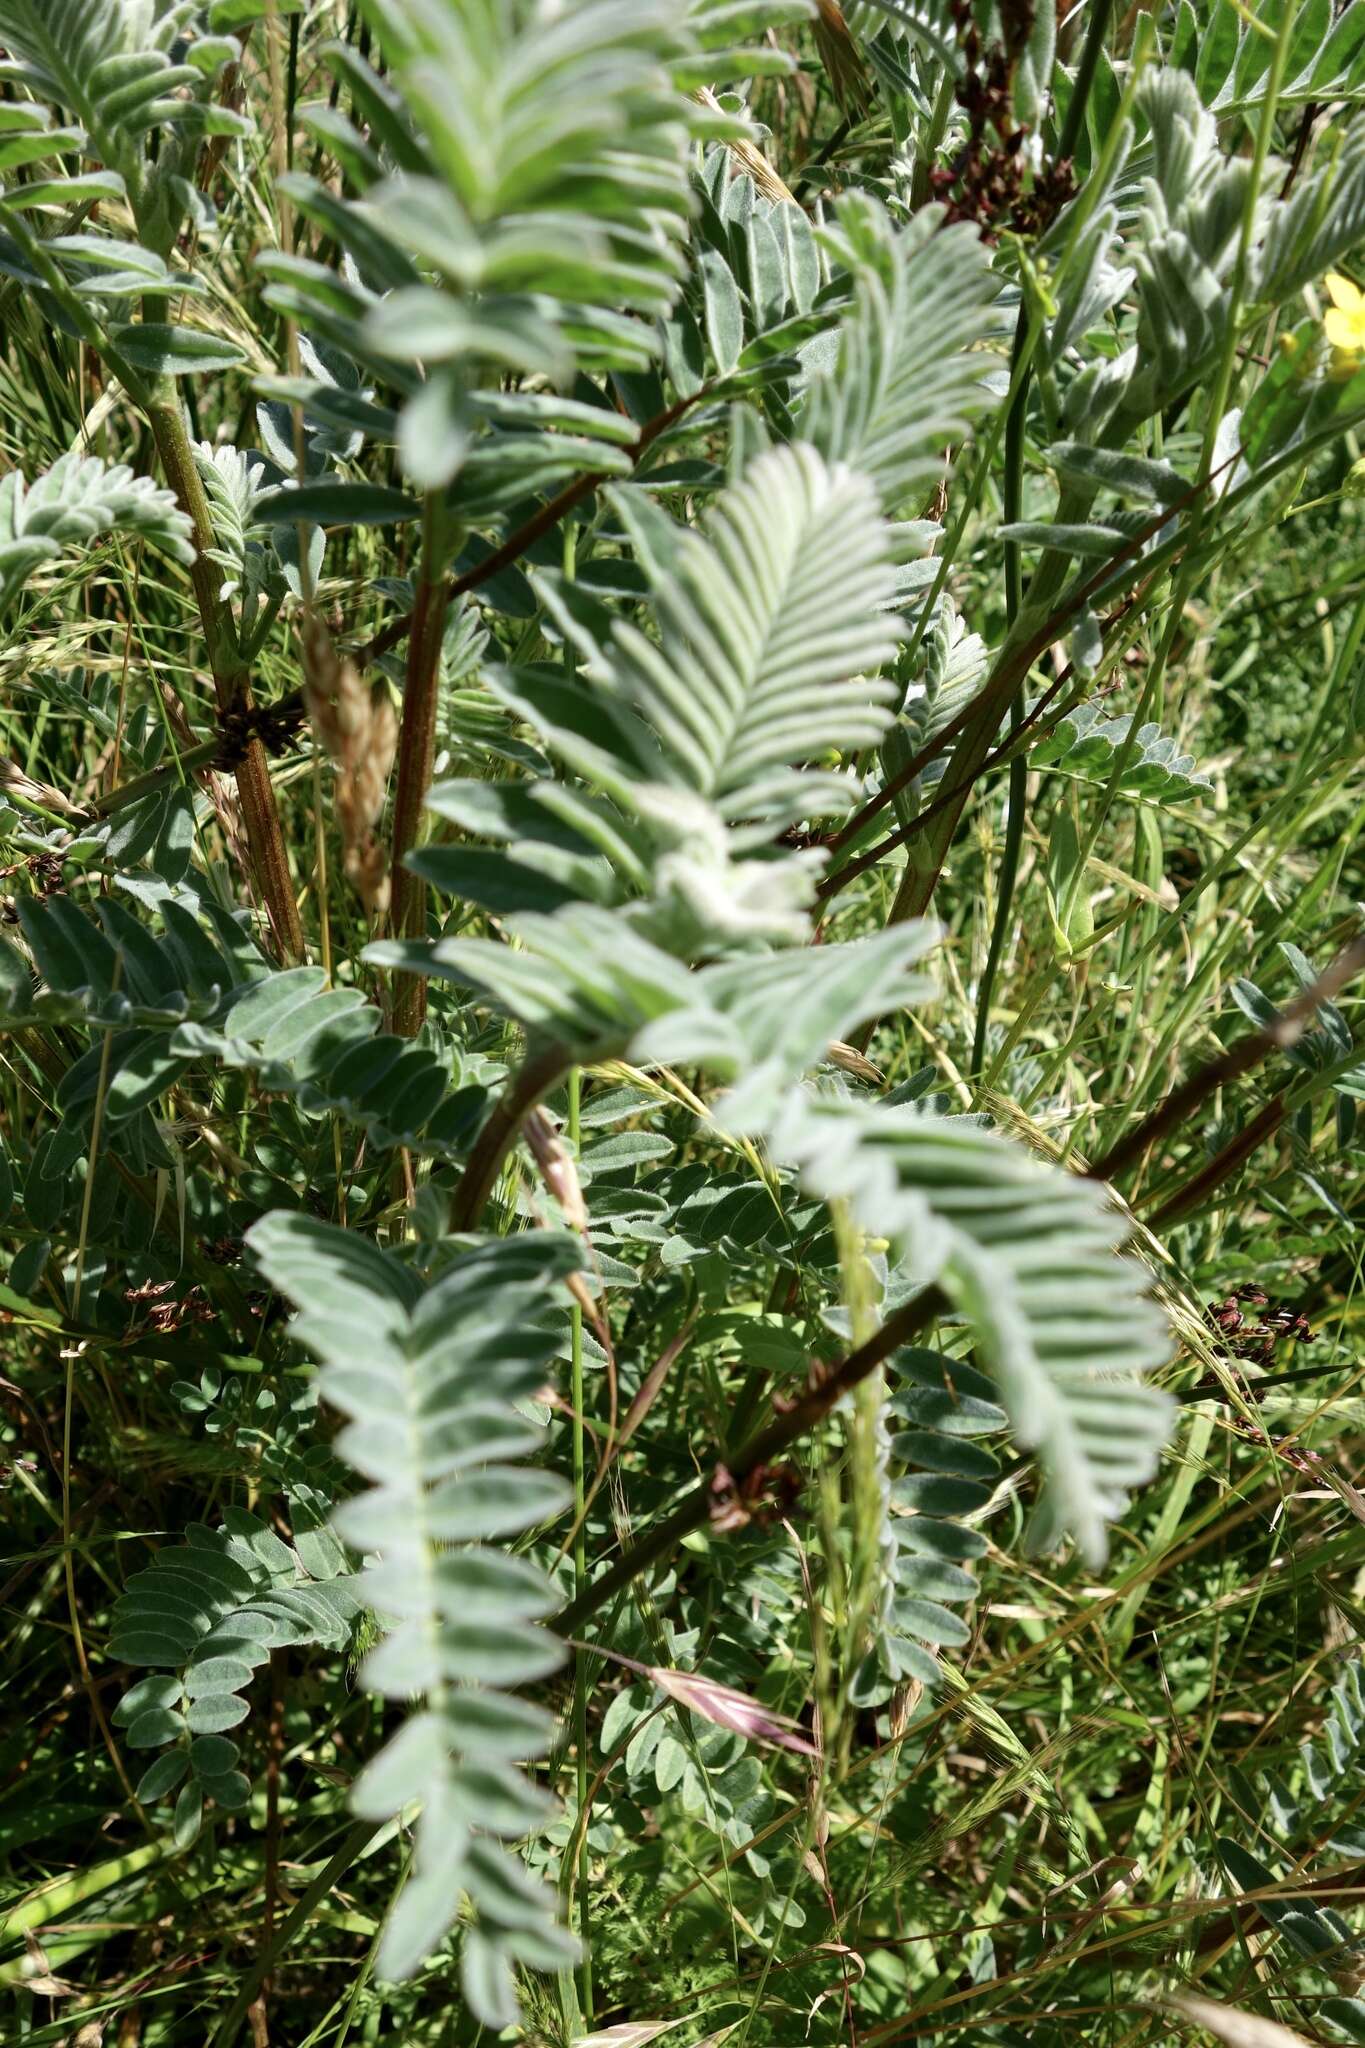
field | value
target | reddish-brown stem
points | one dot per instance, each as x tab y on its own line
523	1091
977	722
1035	721
828	1385
1288	1027
903	834
1224	1163
533	529
425	625
512	549
504	557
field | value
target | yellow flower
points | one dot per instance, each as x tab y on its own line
1344	324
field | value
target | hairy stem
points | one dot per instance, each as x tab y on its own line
416	750
231	683
1018	776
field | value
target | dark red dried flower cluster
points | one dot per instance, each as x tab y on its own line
764	1495
989	181
164	1310
274	725
45	875
1296	1455
1254	1335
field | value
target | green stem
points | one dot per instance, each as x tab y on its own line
1018	778
1085	77
921	188
580	1580
917	887
202	756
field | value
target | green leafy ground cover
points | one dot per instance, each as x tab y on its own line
679	1026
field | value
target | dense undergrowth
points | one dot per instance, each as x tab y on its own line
679	1042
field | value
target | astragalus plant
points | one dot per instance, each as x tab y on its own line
623	1078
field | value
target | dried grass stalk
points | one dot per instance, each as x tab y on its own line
749	158
843	61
